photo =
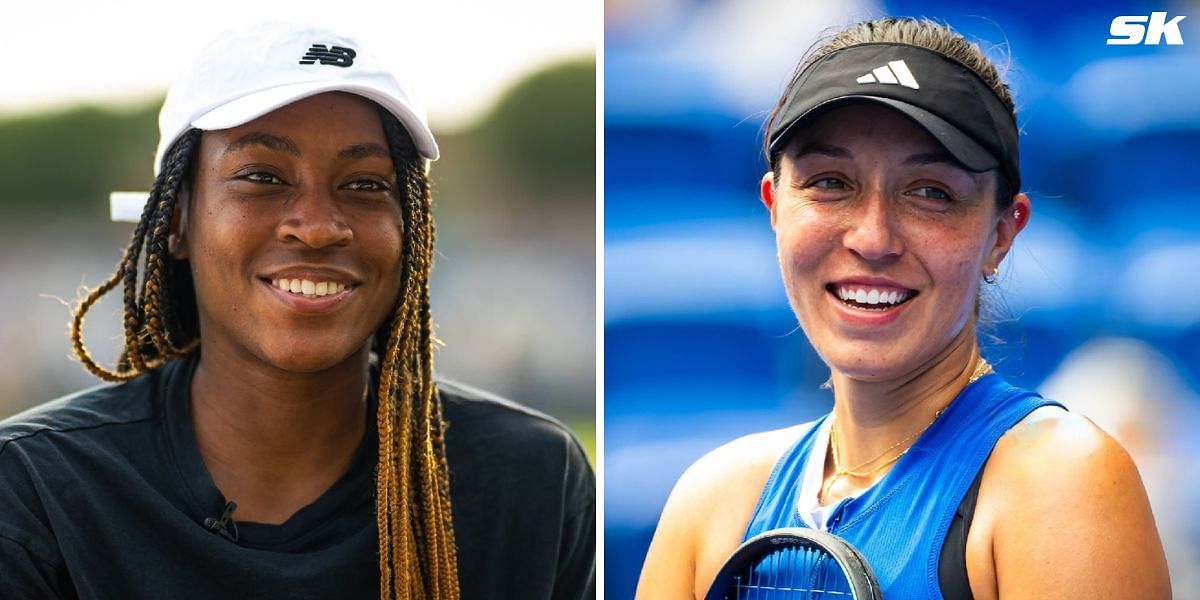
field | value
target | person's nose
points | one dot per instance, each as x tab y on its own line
871	232
315	218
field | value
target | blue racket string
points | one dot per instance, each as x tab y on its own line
793	573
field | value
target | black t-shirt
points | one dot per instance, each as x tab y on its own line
103	494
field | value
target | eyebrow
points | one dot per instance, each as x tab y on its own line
284	144
921	158
930	158
822	149
273	142
364	151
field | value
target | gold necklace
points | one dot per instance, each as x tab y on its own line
981	368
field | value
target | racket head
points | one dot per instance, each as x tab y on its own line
828	565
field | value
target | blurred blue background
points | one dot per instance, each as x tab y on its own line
1098	304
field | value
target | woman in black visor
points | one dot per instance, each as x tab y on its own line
894	193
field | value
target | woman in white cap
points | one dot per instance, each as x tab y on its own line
276	430
893	191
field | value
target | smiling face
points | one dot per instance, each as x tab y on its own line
883	240
303	198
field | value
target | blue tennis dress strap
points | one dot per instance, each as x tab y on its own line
899	524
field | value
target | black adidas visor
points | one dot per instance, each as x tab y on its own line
945	98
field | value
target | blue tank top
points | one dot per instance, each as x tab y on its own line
900	523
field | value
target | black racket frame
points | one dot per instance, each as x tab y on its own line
858	573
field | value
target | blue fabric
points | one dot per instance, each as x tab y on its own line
900	523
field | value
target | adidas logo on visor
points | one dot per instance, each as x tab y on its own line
893	73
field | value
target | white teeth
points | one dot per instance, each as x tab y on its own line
308	288
870	296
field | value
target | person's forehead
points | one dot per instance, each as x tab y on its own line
329	119
335	109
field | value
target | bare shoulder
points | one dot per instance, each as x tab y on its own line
1066	515
1063	454
746	460
707	512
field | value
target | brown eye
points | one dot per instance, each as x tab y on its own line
932	193
829	183
367	185
262	177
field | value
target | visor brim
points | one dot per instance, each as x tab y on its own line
965	150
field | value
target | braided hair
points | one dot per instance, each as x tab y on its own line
417	557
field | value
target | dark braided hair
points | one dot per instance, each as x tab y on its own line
417	556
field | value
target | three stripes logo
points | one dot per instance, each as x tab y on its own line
337	56
893	73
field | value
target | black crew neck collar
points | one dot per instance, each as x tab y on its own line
205	500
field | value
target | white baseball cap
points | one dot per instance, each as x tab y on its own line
248	72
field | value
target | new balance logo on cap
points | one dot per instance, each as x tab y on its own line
893	73
336	55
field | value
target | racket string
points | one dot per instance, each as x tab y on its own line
793	573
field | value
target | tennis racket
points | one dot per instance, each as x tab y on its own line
794	563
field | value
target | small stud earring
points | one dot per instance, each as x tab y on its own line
1017	214
991	278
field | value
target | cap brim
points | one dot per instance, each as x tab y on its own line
964	149
250	107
